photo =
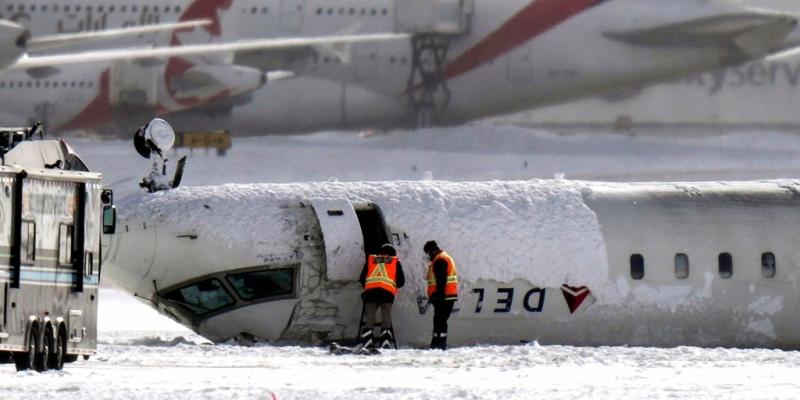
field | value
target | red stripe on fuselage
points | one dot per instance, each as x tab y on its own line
536	18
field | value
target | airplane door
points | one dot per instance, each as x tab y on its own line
365	60
292	15
341	237
520	65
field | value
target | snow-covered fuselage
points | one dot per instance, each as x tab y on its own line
559	262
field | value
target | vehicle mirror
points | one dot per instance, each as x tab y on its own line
109	220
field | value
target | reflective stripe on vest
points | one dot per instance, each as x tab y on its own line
451	286
381	273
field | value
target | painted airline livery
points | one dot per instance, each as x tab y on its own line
464	59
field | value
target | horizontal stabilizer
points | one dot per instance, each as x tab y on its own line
755	34
28	62
69	39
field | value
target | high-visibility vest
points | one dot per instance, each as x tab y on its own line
451	287
381	273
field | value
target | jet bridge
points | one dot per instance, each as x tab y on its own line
434	23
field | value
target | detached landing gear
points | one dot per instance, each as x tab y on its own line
427	89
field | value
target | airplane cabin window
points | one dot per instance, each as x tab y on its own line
202	297
637	266
725	265
681	266
260	284
768	265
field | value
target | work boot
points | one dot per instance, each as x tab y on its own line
439	341
387	339
365	339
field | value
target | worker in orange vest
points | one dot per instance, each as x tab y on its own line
442	291
381	276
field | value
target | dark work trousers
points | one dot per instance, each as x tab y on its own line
441	313
386	314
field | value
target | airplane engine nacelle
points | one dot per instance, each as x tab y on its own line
13	42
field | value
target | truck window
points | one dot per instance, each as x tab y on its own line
202	297
260	284
65	244
28	243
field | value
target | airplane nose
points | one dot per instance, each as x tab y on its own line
768	34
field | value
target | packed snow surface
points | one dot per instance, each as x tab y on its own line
164	364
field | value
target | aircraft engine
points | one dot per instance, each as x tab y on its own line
13	42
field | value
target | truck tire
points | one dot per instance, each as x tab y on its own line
45	348
57	356
25	360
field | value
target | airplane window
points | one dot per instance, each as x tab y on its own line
330	11
373	11
134	8
155	8
21	7
145	8
253	10
77	8
363	11
88	8
46	84
768	265
99	8
202	297
177	9
264	10
55	7
319	11
28	84
725	265
384	12
681	266
66	8
352	11
81	84
166	9
10	7
637	266
44	7
261	284
33	7
2	85
123	8
38	84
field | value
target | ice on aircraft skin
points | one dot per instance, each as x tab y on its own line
560	262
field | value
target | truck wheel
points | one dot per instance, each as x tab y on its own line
25	361
43	356
57	357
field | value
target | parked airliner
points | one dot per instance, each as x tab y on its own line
466	59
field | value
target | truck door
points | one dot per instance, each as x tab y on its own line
341	238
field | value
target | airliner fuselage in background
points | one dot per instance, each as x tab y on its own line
468	59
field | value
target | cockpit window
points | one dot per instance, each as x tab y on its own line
264	283
202	297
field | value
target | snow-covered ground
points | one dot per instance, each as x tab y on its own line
154	364
142	365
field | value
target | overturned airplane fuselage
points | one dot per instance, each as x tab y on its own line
560	262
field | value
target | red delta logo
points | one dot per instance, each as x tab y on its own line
575	296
